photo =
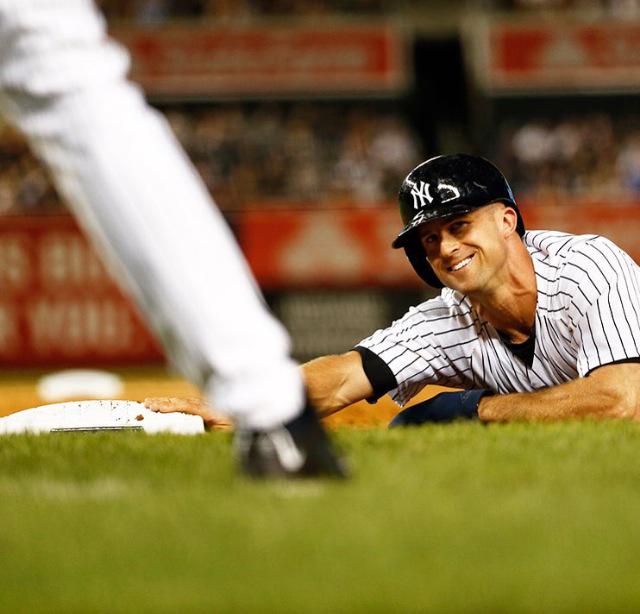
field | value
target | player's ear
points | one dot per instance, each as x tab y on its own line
509	220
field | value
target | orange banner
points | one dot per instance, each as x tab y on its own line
58	304
60	307
618	221
335	248
202	60
533	55
352	248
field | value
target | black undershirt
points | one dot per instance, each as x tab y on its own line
525	350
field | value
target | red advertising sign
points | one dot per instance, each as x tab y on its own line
350	248
58	304
335	248
60	307
618	221
202	60
536	55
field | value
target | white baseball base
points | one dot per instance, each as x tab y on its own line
99	416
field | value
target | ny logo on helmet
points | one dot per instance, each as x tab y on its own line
420	192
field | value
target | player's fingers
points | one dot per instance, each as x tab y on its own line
214	421
165	405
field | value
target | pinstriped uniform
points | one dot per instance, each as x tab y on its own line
587	315
114	159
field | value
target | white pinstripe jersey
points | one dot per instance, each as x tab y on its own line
587	315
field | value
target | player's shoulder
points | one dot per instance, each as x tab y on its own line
448	304
555	243
562	247
572	256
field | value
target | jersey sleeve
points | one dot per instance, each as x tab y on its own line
406	356
378	373
604	309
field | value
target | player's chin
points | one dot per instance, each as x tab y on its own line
456	281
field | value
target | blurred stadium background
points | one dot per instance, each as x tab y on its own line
302	117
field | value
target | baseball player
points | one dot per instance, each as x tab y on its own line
63	84
536	325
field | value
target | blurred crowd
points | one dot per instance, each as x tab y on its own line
613	8
158	11
272	154
585	156
302	153
356	155
24	185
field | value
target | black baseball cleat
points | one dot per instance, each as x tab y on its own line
298	449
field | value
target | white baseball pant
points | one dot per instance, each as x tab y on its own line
117	164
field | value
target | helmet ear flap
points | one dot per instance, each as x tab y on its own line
418	259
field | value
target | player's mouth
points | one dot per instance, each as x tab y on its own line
460	265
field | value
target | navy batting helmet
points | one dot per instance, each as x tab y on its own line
442	187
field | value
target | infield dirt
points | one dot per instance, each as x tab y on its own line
18	390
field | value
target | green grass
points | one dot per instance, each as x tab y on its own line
514	518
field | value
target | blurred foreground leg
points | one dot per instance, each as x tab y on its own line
119	167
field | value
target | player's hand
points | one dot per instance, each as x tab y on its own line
189	405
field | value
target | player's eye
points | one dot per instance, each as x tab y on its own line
458	227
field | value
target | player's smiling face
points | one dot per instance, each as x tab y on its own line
467	251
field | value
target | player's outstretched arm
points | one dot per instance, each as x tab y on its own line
334	382
612	391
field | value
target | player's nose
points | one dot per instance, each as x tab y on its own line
449	245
